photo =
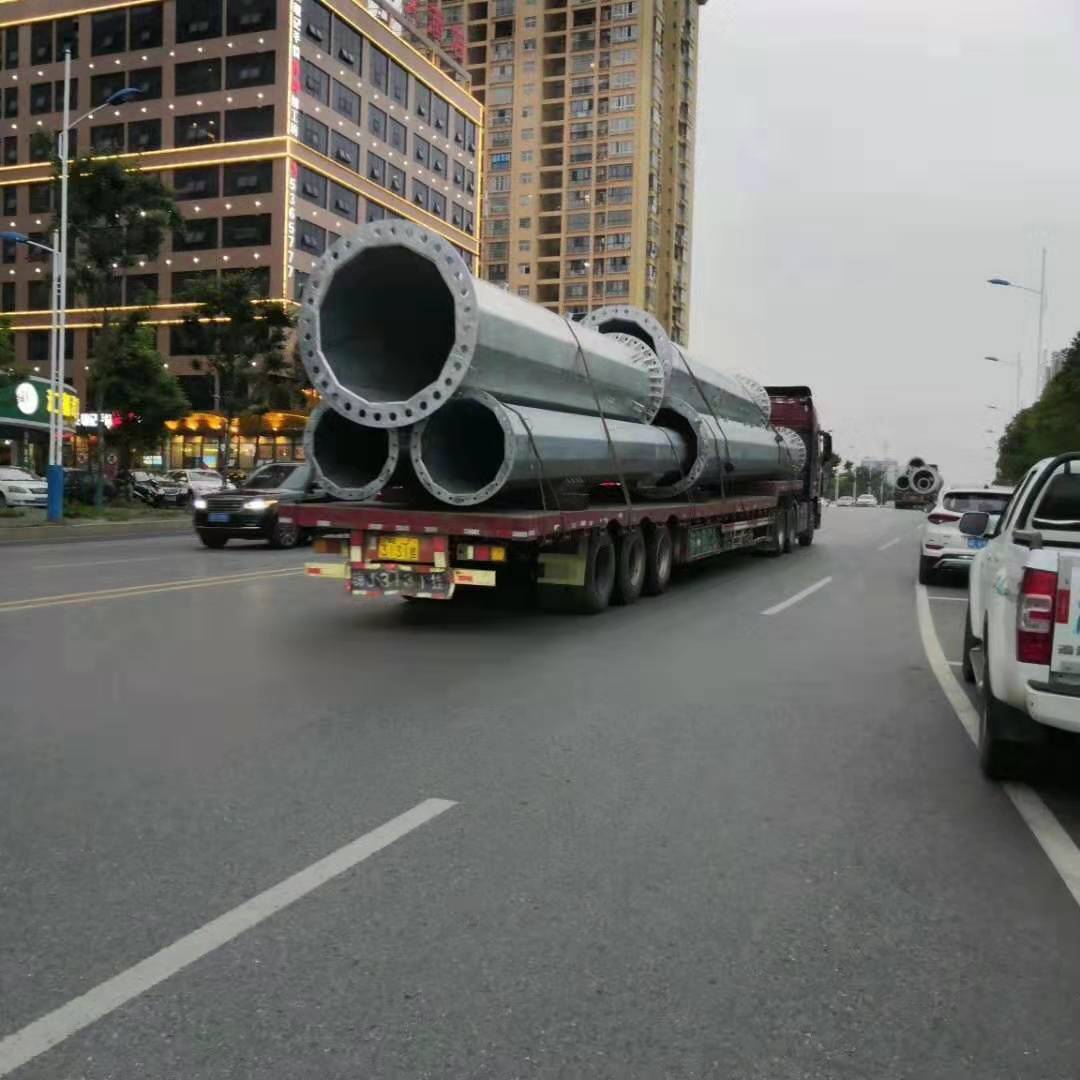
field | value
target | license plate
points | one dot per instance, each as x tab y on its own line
976	541
399	548
218	519
436	582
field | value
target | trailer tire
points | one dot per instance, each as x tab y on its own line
629	567
595	595
806	537
659	560
778	542
792	524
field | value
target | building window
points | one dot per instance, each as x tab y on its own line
437	204
259	276
7	297
456	215
313	133
310	237
500	162
37	295
197	20
376	121
41	43
440	114
198	77
399	84
459	174
345	102
343	201
148	81
107	139
312	186
198	234
11	150
255	123
622	102
420	194
11	102
348	45
379	65
7	251
11	47
200	183
140	289
374	212
315	81
523	290
376	168
438	162
108	32
421	147
67	37
104	86
250	16
497	272
197	129
249	178
144	135
316	21
396	180
423	100
300	279
253	69
344	150
41	198
397	135
244	229
145	26
41	98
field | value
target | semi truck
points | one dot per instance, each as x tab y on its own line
603	548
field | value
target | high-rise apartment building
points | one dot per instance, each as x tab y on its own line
278	123
589	154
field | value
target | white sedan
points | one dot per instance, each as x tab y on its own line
866	499
21	488
198	481
943	546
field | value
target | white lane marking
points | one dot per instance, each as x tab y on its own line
34	1039
1056	843
802	595
947	599
890	543
954	663
98	562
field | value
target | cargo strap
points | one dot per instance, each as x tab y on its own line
603	419
539	461
728	467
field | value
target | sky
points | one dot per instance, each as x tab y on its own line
862	167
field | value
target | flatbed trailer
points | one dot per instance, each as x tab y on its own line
611	551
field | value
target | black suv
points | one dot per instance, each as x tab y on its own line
250	511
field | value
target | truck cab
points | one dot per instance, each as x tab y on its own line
1022	635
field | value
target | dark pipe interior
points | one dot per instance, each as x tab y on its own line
387	324
624	326
677	423
349	455
902	483
463	446
923	480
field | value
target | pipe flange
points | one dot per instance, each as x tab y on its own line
795	447
451	267
351	494
505	418
646	360
706	444
757	394
606	320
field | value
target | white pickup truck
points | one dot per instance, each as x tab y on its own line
1022	637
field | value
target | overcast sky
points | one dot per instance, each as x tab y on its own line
862	167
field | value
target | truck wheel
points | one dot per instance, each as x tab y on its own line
806	537
659	560
970	642
792	525
927	574
778	542
595	594
1001	758
629	567
211	541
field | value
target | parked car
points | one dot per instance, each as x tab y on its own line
845	500
250	512
19	487
197	482
80	485
1022	632
944	547
866	499
153	488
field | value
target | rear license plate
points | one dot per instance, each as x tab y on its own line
436	582
399	548
976	541
218	519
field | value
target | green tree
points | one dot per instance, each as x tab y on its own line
243	341
129	378
11	371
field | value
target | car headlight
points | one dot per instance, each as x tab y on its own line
260	504
199	504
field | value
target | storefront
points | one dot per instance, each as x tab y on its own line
197	441
24	424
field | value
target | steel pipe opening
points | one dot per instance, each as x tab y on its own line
476	448
924	480
353	462
392	324
902	482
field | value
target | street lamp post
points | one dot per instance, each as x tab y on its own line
1018	364
1040	292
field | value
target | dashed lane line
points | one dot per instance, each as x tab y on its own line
802	595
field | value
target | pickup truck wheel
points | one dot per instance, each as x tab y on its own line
927	574
595	595
629	567
659	560
970	642
210	540
284	535
999	758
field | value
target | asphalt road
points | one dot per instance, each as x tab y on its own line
688	839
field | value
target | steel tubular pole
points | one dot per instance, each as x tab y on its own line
352	462
393	323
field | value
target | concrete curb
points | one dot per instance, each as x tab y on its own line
94	530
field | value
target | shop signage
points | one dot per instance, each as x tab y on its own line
29	403
27	398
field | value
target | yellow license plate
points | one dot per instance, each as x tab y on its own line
399	548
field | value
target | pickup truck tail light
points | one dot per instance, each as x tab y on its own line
942	517
1035	616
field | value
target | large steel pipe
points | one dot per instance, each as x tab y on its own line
351	461
477	447
392	324
727	397
724	453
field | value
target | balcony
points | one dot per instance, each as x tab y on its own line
549	249
549	226
552	157
547	271
551	135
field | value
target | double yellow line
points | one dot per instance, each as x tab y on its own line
120	593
